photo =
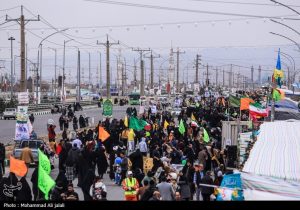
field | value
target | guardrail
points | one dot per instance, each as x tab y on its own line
32	107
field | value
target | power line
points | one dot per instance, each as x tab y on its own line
241	3
7	9
183	10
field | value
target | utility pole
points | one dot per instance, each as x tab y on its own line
55	77
90	82
259	75
26	65
78	77
63	76
11	39
223	77
230	76
198	58
22	23
142	87
178	52
134	74
207	80
252	80
100	84
107	44
217	77
152	69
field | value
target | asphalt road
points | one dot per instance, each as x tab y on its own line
7	127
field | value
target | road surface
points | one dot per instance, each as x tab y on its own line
7	127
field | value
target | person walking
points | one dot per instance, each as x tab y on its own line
124	166
131	136
165	189
143	146
207	191
130	185
31	118
61	122
75	123
26	155
81	121
198	176
101	161
51	133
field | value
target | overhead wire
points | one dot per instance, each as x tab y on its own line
183	10
241	3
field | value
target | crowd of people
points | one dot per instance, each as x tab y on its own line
183	166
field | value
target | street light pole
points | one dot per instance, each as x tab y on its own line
11	67
63	76
40	58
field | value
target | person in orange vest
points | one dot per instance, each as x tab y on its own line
130	185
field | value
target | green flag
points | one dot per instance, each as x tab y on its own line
234	101
137	124
44	162
205	137
276	95
107	108
181	127
45	182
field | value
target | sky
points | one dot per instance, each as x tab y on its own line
222	32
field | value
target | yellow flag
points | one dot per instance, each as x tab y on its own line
193	117
126	121
166	124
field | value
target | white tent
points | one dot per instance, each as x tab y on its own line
276	152
272	171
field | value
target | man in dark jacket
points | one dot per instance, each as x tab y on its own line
124	166
207	191
198	176
75	123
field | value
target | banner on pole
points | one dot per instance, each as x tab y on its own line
107	108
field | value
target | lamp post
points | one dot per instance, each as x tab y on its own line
55	79
63	76
11	39
287	39
40	51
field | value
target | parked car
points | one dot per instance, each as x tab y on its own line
33	145
10	113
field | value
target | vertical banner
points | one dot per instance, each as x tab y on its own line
107	108
22	128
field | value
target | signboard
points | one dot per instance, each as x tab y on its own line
22	114
107	108
23	98
153	109
22	127
196	87
22	131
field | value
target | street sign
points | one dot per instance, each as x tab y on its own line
107	108
23	98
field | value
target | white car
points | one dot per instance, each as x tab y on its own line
10	113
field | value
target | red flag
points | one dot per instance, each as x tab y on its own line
103	134
58	149
18	167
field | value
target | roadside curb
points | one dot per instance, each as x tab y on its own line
41	113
